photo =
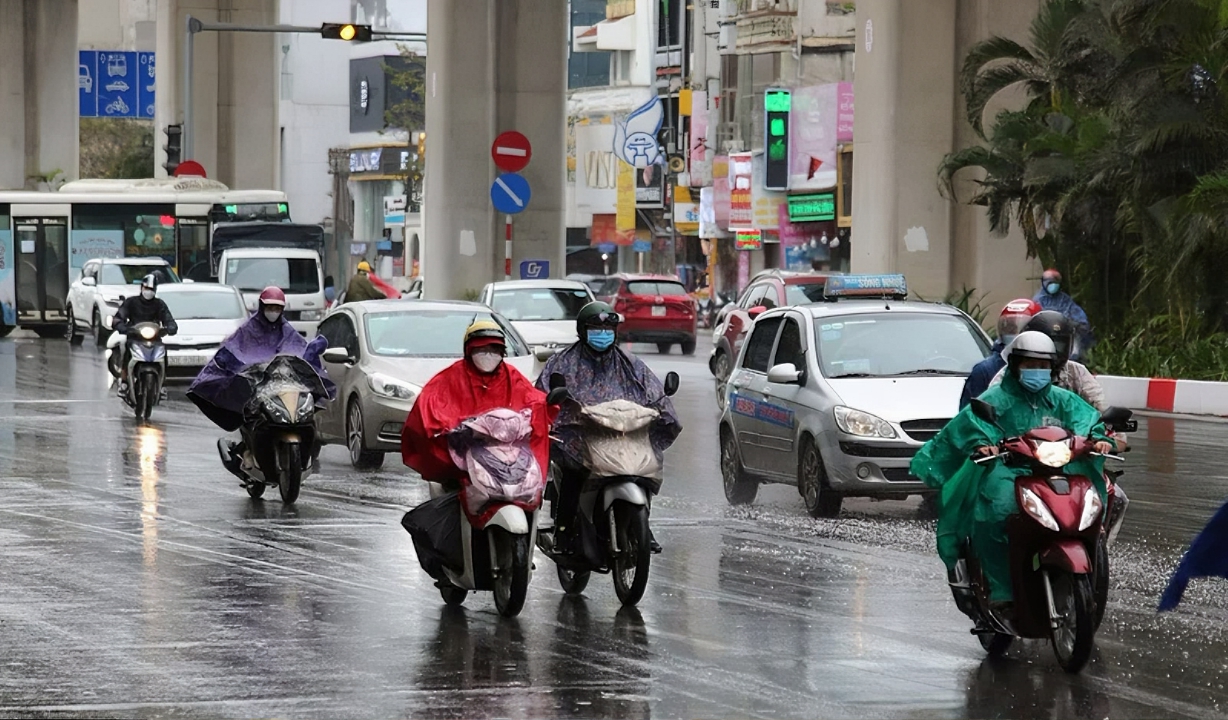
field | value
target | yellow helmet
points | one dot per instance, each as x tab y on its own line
364	266
484	332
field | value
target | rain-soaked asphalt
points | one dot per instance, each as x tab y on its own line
138	579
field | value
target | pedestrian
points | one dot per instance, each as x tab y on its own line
1052	297
361	288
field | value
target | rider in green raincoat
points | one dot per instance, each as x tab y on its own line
975	500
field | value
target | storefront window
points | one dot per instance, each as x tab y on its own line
122	230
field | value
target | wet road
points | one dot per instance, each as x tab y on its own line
138	579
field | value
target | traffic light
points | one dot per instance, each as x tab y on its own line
777	103
346	31
174	135
422	147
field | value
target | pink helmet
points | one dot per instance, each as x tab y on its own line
273	296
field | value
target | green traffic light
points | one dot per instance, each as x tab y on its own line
776	128
778	101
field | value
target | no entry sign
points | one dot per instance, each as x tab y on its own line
511	151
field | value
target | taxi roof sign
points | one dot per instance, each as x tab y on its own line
865	286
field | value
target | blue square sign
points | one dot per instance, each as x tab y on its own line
146	77
87	74
534	269
116	84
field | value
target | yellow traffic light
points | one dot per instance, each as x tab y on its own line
347	32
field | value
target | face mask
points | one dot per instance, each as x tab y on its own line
600	340
1007	339
271	315
1035	379
147	294
486	362
1052	288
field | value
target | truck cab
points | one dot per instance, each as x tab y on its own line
298	272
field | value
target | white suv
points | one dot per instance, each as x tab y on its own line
95	297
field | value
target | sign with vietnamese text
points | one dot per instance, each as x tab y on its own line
748	239
814	207
741	212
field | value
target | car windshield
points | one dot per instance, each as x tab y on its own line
297	276
654	287
540	303
116	274
892	344
433	333
204	305
804	294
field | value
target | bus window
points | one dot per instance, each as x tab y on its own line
119	230
194	250
248	212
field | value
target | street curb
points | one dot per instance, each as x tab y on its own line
1183	397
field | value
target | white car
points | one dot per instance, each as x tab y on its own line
206	313
104	283
542	311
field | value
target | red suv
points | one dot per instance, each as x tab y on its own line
769	289
655	309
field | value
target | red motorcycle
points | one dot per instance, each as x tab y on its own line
1058	546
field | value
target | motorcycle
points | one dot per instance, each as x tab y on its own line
146	366
278	428
1058	546
712	311
612	519
481	537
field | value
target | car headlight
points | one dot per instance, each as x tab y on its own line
1034	506
392	388
1092	505
1053	454
148	333
862	424
311	314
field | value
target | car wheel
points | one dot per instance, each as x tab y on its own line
100	333
74	336
688	347
663	348
360	457
739	489
821	500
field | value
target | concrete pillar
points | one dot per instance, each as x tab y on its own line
493	65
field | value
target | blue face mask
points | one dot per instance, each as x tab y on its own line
1052	288
600	340
1035	379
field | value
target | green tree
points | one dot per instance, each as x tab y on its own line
407	112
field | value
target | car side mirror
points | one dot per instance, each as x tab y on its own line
557	395
784	374
671	383
756	311
89	282
544	353
557	381
337	356
985	411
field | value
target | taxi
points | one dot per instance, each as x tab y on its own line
836	397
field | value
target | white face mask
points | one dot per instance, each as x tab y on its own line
272	315
486	361
147	294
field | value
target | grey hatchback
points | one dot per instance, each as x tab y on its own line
837	397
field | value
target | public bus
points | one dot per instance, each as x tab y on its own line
46	237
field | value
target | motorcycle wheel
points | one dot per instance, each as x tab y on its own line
452	595
291	474
1072	639
1100	579
995	644
256	490
147	396
631	565
512	555
573	582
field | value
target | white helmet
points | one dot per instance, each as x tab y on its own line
1031	344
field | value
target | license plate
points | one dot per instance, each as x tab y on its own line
658	311
187	360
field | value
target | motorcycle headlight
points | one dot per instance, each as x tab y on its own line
311	314
862	424
1053	454
148	333
1034	506
1092	505
276	410
306	406
392	388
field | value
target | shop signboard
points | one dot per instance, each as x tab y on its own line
741	210
749	239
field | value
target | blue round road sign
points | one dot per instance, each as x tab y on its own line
510	193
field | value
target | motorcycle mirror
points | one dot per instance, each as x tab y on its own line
985	411
557	381
557	395
671	383
1114	416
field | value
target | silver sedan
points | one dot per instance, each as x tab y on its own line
381	353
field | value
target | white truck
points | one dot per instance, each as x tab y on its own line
254	255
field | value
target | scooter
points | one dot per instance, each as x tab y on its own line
146	366
612	521
499	498
278	428
1055	546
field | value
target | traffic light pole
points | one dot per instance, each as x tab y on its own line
196	26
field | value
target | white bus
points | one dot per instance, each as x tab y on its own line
46	237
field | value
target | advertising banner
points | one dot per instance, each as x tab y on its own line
814	137
85	245
721	197
596	168
626	196
700	158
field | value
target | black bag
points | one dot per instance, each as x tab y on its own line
435	527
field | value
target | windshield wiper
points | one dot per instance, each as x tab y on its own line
933	371
851	375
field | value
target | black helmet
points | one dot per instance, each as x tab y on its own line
596	314
1059	329
150	281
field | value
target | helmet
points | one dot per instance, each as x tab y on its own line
595	314
1029	344
272	295
364	266
1059	329
1051	274
1015	316
150	282
484	332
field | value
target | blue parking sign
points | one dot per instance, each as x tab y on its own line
87	74
116	84
534	269
146	77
